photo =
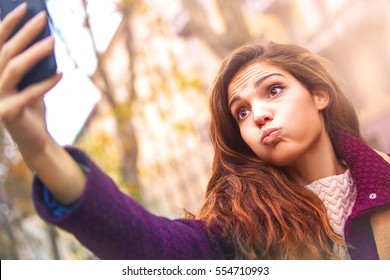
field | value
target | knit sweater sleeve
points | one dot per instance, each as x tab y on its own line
114	226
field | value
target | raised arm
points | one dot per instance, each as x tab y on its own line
23	112
114	226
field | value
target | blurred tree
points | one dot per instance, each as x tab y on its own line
122	109
235	31
7	236
17	240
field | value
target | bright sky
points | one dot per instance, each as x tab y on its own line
71	101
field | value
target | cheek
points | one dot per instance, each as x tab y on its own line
306	124
249	135
252	138
301	118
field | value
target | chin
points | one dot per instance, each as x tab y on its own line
279	162
280	158
275	160
287	153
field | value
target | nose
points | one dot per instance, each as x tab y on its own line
261	115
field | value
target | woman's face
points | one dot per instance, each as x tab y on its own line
279	119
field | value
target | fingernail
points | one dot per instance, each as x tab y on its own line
21	8
38	17
48	41
60	75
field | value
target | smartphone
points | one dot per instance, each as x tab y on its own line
47	66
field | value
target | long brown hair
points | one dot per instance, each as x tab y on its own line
261	213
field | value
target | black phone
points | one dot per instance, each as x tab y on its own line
47	66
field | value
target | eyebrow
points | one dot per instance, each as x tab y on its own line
256	85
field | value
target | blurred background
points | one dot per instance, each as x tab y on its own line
134	94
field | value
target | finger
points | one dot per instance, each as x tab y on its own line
41	88
11	21
15	70
11	106
22	39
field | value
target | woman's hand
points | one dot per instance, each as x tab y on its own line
23	112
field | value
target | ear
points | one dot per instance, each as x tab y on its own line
320	98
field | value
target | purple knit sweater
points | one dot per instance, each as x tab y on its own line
114	226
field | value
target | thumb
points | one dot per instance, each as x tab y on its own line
13	105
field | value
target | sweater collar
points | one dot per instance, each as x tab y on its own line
367	167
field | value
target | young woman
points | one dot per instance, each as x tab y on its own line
291	178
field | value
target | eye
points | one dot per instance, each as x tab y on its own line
275	90
241	114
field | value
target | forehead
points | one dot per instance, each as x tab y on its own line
250	74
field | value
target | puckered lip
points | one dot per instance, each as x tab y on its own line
267	132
